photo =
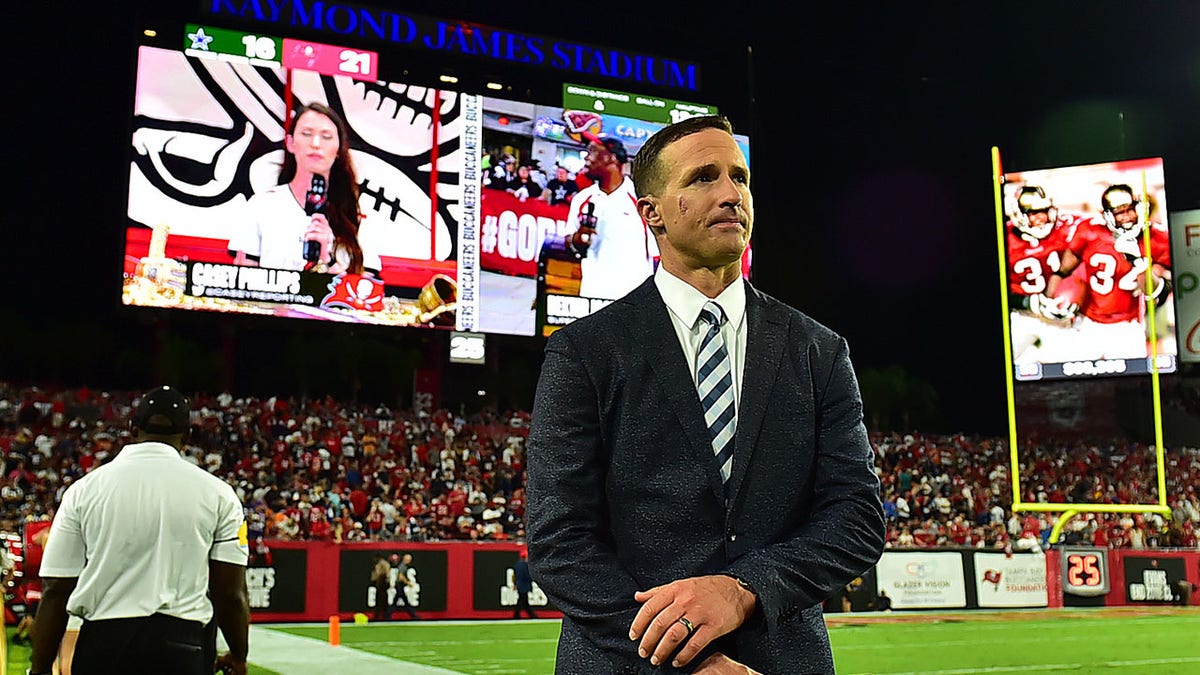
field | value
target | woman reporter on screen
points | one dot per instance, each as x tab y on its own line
297	225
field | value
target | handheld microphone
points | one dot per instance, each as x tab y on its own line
314	203
587	228
588	217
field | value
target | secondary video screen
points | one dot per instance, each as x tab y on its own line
1088	263
547	172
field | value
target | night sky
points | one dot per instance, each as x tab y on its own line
871	126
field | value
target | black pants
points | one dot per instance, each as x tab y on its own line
523	606
400	603
151	645
381	602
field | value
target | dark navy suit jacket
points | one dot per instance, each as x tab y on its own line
624	493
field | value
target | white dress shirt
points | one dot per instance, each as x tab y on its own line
684	303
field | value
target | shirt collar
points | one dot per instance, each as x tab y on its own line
685	302
148	449
623	190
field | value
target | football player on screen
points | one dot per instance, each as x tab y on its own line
1115	258
1037	234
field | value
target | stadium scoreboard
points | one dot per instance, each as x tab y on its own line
211	115
633	106
265	50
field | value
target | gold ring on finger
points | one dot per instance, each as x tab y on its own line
691	628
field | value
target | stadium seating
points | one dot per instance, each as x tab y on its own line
324	469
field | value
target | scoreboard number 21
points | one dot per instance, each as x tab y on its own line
355	62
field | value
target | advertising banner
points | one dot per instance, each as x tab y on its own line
1185	244
427	576
277	583
494	585
1003	580
922	580
1153	580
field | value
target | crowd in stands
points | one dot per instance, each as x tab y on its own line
326	470
955	491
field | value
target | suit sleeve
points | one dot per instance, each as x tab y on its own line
844	534
571	555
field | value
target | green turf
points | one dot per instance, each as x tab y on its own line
18	659
1156	645
1124	645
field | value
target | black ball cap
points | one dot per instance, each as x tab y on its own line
163	411
616	147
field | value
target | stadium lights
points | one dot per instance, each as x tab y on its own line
495	85
150	32
448	78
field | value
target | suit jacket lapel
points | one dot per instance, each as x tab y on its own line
766	342
665	358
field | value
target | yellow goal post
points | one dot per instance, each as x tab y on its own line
1068	511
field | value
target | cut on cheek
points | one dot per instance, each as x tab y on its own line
683	209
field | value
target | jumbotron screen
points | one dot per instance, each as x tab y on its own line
1088	263
448	236
530	279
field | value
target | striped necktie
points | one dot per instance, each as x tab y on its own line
714	384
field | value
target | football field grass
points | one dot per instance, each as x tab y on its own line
1119	641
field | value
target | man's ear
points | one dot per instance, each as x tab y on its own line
648	209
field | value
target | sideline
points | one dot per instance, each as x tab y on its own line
294	655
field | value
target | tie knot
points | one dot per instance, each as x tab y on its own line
712	314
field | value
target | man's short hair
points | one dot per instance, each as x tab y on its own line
163	411
647	170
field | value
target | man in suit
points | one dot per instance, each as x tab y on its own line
699	476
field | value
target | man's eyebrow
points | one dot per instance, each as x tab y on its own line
691	172
697	170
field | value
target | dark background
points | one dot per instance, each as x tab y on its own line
871	125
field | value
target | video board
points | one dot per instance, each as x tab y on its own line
227	180
531	280
1088	271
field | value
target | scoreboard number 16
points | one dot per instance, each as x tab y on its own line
259	47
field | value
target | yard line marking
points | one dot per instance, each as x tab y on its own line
439	643
431	622
1043	666
296	655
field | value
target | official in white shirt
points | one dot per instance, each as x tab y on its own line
146	550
